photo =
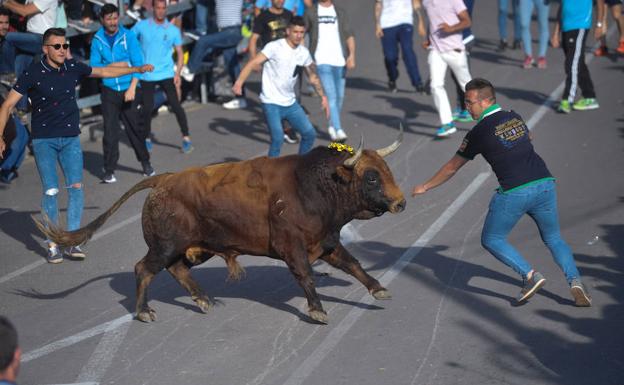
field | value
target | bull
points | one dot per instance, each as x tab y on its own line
290	208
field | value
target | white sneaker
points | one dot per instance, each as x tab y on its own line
332	133
235	104
341	135
187	74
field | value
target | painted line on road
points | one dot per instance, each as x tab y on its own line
333	338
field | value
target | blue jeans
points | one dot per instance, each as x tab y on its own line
392	38
17	151
274	114
226	39
67	151
526	10
539	201
503	12
7	60
201	16
333	81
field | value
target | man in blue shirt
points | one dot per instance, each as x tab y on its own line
116	46
574	23
10	353
51	85
526	187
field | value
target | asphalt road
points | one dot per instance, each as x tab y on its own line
452	318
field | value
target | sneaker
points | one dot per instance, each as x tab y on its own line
187	74
460	115
420	88
620	48
54	256
502	45
528	62
187	146
446	130
78	25
136	14
148	145
148	170
235	104
290	136
541	62
531	286
516	44
601	51
192	35
332	133
75	252
109	177
392	86
586	104
564	107
341	136
579	292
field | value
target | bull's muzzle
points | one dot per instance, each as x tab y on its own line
397	206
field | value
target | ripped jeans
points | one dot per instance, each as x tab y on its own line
68	153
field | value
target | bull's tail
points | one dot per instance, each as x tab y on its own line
79	237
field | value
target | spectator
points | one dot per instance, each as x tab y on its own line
113	45
283	60
575	18
394	26
10	353
600	32
51	84
158	37
7	51
229	18
460	113
503	14
526	187
297	7
332	45
15	137
446	49
526	11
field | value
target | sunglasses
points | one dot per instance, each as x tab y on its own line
58	46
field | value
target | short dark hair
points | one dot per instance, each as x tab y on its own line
107	9
8	343
53	32
484	88
5	12
297	20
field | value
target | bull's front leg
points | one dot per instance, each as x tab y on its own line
300	267
341	259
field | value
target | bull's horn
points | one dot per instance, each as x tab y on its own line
350	162
383	152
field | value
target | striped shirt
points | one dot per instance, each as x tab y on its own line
229	13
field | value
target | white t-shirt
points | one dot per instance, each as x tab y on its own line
396	12
328	49
281	70
40	22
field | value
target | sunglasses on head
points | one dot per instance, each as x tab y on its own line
58	46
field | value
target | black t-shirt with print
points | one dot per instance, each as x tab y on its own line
271	26
503	140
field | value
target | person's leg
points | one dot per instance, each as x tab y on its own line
46	154
326	75
390	52
15	155
585	81
172	97
616	12
515	4
226	38
570	44
437	71
503	13
70	158
148	89
273	116
340	80
460	73
504	212
230	57
544	212
406	34
526	9
130	116
201	16
111	107
300	122
543	9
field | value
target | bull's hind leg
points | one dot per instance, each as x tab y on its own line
181	271
145	270
343	260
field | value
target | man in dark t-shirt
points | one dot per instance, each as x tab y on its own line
526	187
51	86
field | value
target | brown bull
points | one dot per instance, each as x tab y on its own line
290	208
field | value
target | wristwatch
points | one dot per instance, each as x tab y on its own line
599	24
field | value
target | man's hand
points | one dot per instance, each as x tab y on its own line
425	44
325	105
599	32
555	41
350	62
419	190
145	68
446	28
129	94
378	31
237	88
176	80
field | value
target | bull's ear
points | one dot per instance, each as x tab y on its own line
344	174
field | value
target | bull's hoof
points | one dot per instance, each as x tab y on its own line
382	294
146	315
204	304
319	316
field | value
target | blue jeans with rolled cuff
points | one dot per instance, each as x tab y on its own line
274	114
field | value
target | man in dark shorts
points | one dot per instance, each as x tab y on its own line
526	187
600	32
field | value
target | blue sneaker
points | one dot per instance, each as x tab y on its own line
148	145
187	146
54	255
462	116
446	130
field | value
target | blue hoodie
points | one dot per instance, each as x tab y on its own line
125	48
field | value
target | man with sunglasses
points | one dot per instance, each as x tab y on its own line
526	187
51	85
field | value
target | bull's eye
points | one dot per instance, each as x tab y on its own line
371	180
